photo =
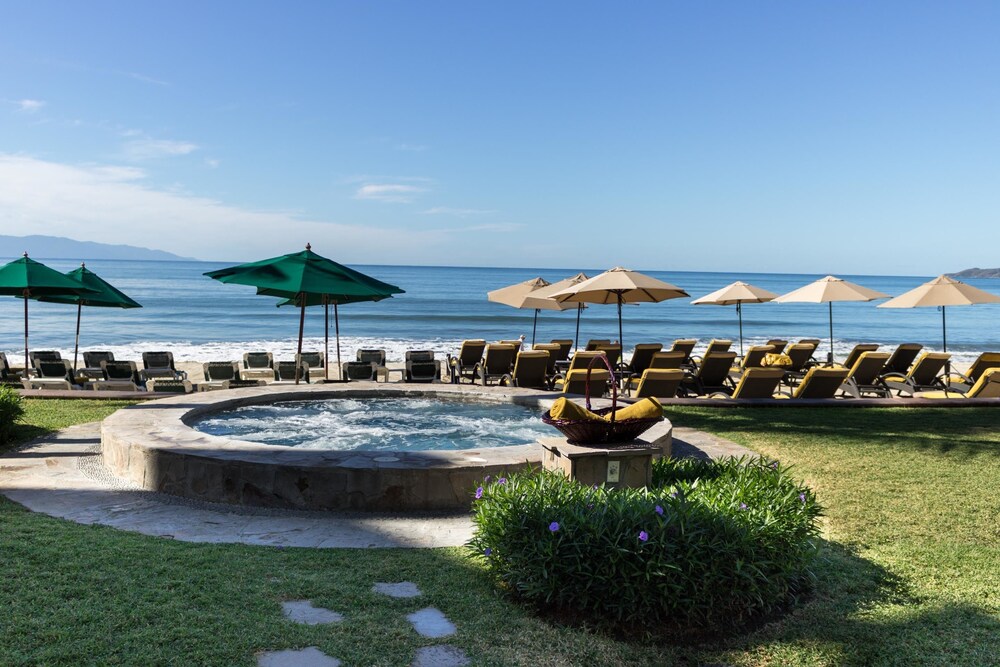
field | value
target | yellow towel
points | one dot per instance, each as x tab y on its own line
644	409
778	360
565	409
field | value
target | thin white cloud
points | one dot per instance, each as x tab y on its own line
145	79
212	163
414	148
140	147
116	204
29	106
457	212
388	192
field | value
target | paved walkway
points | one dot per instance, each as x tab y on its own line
61	475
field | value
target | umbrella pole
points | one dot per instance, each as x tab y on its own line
829	358
576	339
76	345
302	325
26	293
621	338
739	312
336	323
534	326
326	339
944	345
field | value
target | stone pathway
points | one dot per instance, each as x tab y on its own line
303	611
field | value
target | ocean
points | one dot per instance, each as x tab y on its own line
200	319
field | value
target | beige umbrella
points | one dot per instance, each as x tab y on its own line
523	295
942	291
736	293
558	286
620	286
828	290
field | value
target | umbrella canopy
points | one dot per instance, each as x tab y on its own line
306	278
827	290
558	286
522	295
618	286
736	293
104	295
27	278
943	291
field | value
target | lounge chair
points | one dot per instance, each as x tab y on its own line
810	341
855	354
711	375
516	343
642	357
714	345
38	356
668	359
965	382
122	371
160	366
258	366
530	370
421	366
800	360
224	375
7	376
565	347
902	358
685	345
659	383
114	385
754	358
377	357
576	382
613	351
497	362
821	382
312	359
778	345
593	343
926	374
363	371
987	386
580	360
554	349
91	369
284	371
463	365
163	385
756	383
864	378
51	375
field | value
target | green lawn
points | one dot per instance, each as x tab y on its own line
910	575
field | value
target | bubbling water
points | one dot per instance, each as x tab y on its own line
390	424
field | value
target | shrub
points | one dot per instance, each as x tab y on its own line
710	544
11	412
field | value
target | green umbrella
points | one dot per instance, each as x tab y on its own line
27	278
105	295
306	278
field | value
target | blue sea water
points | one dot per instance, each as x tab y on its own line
201	319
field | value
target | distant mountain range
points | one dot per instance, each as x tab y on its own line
977	273
58	247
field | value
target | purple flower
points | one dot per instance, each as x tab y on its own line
674	494
659	510
502	480
479	493
774	465
487	551
590	506
554	526
643	536
487	480
595	487
802	497
743	506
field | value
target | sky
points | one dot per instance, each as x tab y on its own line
781	136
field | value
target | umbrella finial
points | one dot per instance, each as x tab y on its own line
25	253
83	265
309	246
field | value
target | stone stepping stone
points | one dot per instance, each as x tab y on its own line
440	656
402	589
430	622
303	611
307	657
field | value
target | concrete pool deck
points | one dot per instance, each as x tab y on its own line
62	475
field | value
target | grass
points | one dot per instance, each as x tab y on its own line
910	571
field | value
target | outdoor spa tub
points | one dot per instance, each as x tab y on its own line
158	446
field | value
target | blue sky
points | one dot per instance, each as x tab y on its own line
848	137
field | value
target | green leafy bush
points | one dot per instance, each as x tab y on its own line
11	412
710	544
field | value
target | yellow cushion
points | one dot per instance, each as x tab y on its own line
644	409
565	409
771	359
